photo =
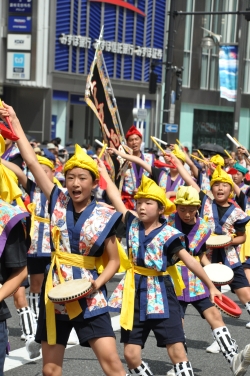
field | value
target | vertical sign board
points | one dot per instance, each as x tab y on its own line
18	66
53	126
20	6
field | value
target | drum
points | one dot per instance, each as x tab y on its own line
69	291
218	241
228	306
219	274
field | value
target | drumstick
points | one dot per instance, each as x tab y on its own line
202	156
229	156
162	142
99	143
156	143
237	141
179	143
102	151
233	140
199	159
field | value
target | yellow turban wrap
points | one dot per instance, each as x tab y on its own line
217	160
187	196
46	162
220	175
179	154
149	189
82	160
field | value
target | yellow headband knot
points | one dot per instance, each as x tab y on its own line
82	160
149	189
187	196
220	175
46	162
217	160
179	154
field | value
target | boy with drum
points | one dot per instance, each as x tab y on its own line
145	295
80	229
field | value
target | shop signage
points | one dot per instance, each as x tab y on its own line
18	66
114	47
20	6
19	24
19	42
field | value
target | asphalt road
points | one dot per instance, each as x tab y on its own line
81	361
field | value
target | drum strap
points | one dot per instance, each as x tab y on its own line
127	311
31	208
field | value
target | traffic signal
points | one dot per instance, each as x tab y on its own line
178	90
153	82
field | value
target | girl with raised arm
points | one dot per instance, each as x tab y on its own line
80	229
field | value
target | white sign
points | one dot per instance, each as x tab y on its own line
19	42
110	46
18	66
140	113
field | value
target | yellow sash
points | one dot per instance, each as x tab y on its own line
127	311
64	258
32	207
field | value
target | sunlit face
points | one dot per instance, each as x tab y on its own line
134	142
48	171
221	192
79	184
238	178
148	210
187	213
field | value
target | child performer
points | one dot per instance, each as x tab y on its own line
80	229
147	299
13	252
39	254
197	230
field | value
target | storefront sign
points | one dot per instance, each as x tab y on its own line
114	47
18	66
20	6
19	42
19	24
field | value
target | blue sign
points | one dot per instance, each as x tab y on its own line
53	126
18	63
77	99
19	24
171	128
20	6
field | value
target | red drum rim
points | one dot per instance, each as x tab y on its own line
228	306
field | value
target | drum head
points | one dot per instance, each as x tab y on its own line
218	241
219	274
70	291
228	306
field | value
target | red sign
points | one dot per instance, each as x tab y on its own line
123	4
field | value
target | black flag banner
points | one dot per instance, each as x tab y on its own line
99	98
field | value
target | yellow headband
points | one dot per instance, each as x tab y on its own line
149	189
46	162
187	196
217	160
220	175
179	154
82	160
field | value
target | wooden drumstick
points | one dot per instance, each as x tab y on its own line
102	151
202	156
156	143
199	159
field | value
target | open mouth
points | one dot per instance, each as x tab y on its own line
76	193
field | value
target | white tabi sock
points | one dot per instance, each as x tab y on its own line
228	345
247	305
183	369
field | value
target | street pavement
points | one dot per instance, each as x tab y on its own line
82	362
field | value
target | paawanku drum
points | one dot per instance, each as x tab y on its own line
218	241
228	306
70	291
219	274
